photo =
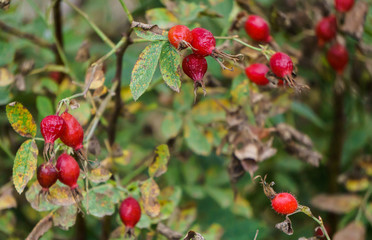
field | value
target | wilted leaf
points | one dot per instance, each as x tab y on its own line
7	199
100	201
21	119
191	235
95	77
144	68
100	174
160	162
149	31
83	54
149	194
353	231
65	217
285	226
171	125
170	67
60	195
342	203
6	77
38	202
5	4
196	140
24	164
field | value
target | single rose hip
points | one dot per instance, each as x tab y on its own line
257	73
326	29
72	134
130	214
47	176
257	28
203	42
284	203
68	170
195	66
51	128
344	5
338	57
180	36
281	64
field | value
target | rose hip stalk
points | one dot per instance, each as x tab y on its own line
51	128
258	29
204	44
130	214
180	37
326	29
195	66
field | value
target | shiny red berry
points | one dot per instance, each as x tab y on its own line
68	170
73	133
130	212
203	42
284	203
195	66
343	5
47	175
338	57
257	28
51	128
257	73
179	36
326	29
281	65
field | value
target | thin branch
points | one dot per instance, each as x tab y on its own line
126	10
36	40
92	24
57	16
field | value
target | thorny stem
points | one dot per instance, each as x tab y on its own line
126	10
364	202
92	24
319	220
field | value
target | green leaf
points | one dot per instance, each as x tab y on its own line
21	119
151	35
306	112
44	106
144	69
36	201
24	164
65	217
224	197
171	125
162	17
159	166
7	52
101	200
184	100
170	67
196	140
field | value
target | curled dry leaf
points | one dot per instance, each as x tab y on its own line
353	231
342	203
83	54
95	77
26	66
5	4
355	19
191	235
148	27
285	226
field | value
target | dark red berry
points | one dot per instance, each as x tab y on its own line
47	175
338	57
73	133
130	213
179	36
343	5
195	66
203	42
51	128
284	203
68	170
257	73
257	28
326	29
281	65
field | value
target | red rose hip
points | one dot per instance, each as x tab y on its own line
130	214
72	134
338	57
203	42
68	170
344	5
195	66
51	128
257	28
284	203
47	176
257	73
281	64
180	36
326	29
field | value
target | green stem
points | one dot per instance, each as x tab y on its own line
92	24
39	139
126	10
246	44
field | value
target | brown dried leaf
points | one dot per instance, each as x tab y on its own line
6	77
235	169
20	82
149	194
5	4
26	66
353	231
100	91
95	77
191	235
99	175
94	147
83	53
341	203
285	226
148	27
355	19
7	200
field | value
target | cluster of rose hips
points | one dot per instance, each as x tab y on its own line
67	170
326	31
280	63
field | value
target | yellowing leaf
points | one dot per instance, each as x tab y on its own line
65	217
170	67
6	77
21	119
149	194
24	164
100	174
159	165
60	195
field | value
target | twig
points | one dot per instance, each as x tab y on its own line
126	10
36	40
92	24
57	17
